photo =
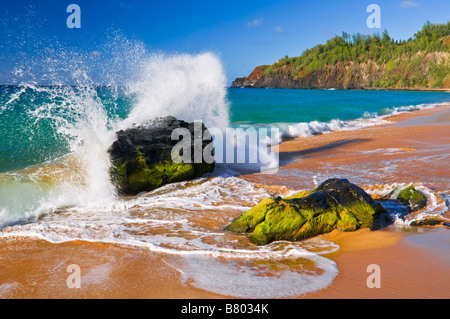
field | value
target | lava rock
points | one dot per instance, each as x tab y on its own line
141	157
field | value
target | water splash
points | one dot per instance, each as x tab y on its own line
185	86
137	86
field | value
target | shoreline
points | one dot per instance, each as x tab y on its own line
356	89
403	135
407	270
35	268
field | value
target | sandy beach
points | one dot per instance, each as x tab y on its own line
200	156
410	267
407	270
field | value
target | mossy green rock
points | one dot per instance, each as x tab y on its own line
408	196
412	197
335	204
142	161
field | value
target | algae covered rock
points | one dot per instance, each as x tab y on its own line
141	157
335	204
409	196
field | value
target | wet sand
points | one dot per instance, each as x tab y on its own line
363	156
34	268
406	271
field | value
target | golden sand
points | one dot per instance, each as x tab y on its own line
34	268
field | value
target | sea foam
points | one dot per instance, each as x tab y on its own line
74	199
304	129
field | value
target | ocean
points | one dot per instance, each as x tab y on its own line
54	181
308	112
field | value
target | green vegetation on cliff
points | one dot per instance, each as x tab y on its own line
366	61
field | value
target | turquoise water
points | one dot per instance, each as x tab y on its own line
34	121
258	106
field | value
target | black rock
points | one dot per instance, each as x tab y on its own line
141	157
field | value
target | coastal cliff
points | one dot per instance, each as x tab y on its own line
363	62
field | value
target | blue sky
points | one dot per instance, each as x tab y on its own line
244	34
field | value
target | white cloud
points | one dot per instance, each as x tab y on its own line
94	53
278	29
409	4
124	5
255	23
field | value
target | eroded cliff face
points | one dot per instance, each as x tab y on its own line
252	79
402	73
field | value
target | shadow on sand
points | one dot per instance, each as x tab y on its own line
288	157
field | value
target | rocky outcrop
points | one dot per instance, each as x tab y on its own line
252	79
339	76
369	74
335	204
141	157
